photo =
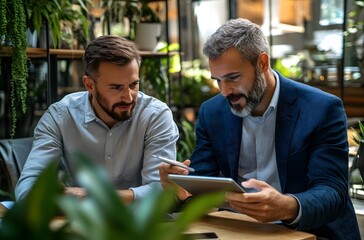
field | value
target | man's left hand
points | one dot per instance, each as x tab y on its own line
265	205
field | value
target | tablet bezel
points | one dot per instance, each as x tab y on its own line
204	184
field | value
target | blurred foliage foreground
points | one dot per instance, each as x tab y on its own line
102	215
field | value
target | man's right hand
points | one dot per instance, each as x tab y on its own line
165	169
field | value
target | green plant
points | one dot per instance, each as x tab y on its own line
154	73
187	141
148	14
74	19
359	136
12	31
102	215
117	11
14	16
55	13
196	86
154	79
134	10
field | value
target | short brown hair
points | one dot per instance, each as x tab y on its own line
107	48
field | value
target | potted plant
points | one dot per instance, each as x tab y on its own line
119	16
58	15
102	215
136	19
148	28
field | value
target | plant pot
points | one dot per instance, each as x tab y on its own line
32	38
43	38
147	35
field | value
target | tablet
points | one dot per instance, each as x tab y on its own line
201	184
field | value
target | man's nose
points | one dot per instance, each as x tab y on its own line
225	88
127	95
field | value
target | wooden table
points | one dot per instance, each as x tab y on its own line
3	210
228	225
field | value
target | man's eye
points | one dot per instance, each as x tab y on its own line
134	85
115	87
232	77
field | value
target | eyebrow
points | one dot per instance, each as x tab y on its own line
117	84
225	76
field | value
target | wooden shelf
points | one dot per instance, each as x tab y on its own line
71	53
42	52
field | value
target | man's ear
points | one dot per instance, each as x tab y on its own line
263	62
89	83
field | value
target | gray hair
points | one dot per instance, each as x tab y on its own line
241	34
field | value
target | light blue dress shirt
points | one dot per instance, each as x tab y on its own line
258	155
257	152
125	150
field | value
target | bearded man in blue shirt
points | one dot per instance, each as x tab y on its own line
114	123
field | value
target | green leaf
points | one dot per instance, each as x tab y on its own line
199	206
94	179
361	127
358	136
151	211
30	217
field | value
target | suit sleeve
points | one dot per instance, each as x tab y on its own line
327	172
203	157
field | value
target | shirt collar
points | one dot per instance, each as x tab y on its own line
89	112
274	101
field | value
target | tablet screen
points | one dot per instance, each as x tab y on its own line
201	184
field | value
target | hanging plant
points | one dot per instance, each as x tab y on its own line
12	31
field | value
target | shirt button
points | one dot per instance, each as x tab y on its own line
108	158
110	134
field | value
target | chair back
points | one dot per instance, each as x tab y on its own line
13	154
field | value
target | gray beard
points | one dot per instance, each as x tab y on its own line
254	97
243	113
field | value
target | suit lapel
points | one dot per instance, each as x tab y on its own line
232	139
287	115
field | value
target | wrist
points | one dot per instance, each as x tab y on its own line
292	209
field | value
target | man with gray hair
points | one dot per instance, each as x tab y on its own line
286	140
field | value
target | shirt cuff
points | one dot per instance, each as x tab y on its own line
142	191
299	216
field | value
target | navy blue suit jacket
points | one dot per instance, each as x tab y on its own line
311	151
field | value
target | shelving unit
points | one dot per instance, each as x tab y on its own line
66	54
47	71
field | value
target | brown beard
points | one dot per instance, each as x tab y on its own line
123	116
